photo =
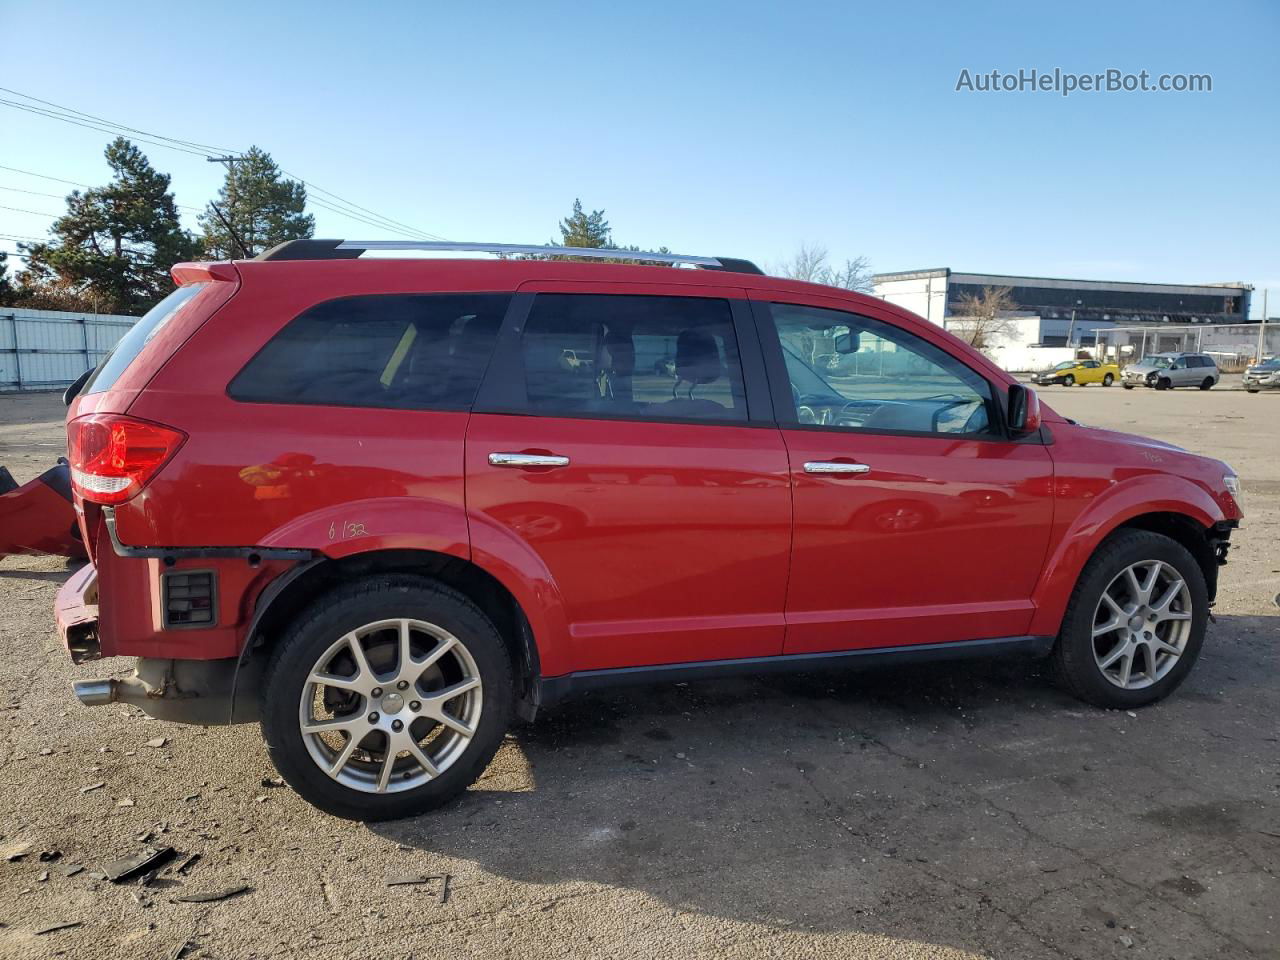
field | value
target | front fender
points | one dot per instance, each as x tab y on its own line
1130	498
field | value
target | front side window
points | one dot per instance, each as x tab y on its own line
632	357
406	351
852	372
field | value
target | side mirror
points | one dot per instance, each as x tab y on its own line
848	342
1024	410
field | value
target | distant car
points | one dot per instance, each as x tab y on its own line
1070	372
1263	376
1164	371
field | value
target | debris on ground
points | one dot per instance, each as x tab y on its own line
125	802
15	851
58	926
93	786
157	742
149	858
273	781
411	878
48	856
212	896
187	864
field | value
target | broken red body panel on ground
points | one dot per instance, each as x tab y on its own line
38	517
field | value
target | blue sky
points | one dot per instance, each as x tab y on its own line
731	128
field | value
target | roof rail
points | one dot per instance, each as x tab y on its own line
352	249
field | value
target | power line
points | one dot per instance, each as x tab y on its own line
336	203
37	213
112	123
45	176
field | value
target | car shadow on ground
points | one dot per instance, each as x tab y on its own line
975	802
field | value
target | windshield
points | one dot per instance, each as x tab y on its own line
1271	363
1064	365
1158	362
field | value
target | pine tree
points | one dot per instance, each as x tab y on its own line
586	229
113	248
263	207
6	285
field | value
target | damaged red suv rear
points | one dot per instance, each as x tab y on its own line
382	506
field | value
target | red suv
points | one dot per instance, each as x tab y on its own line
383	505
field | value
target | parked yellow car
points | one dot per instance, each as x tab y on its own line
1070	372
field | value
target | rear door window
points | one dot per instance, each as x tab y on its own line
405	351
632	357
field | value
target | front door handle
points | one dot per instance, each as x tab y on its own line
836	468
526	460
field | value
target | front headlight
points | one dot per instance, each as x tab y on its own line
1232	483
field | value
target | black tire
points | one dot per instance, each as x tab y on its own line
1127	386
348	608
1068	381
1206	383
1075	666
1164	383
1108	380
1251	391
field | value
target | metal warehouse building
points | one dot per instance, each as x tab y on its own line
48	349
1086	305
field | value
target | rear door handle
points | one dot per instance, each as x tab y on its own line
526	460
835	467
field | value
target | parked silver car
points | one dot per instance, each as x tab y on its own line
1263	376
1164	371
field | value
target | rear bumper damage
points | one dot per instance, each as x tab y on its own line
38	517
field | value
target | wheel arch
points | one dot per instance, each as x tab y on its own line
300	587
1185	513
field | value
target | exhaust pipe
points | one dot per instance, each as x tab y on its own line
98	693
95	693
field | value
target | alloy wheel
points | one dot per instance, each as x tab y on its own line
390	705
1142	624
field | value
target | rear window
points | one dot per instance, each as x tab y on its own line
410	351
139	335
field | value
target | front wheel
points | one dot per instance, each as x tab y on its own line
1206	383
1108	380
1068	381
1135	622
1127	386
1164	383
1251	391
387	698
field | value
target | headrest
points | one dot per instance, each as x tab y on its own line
697	359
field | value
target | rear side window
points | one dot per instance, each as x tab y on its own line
632	357
405	351
139	335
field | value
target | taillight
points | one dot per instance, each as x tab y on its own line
113	457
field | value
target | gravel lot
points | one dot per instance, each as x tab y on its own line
948	811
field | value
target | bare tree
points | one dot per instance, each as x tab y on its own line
811	265
983	319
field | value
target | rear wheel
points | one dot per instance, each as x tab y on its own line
1135	622
1206	383
1108	380
387	698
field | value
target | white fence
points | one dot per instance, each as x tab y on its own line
48	349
